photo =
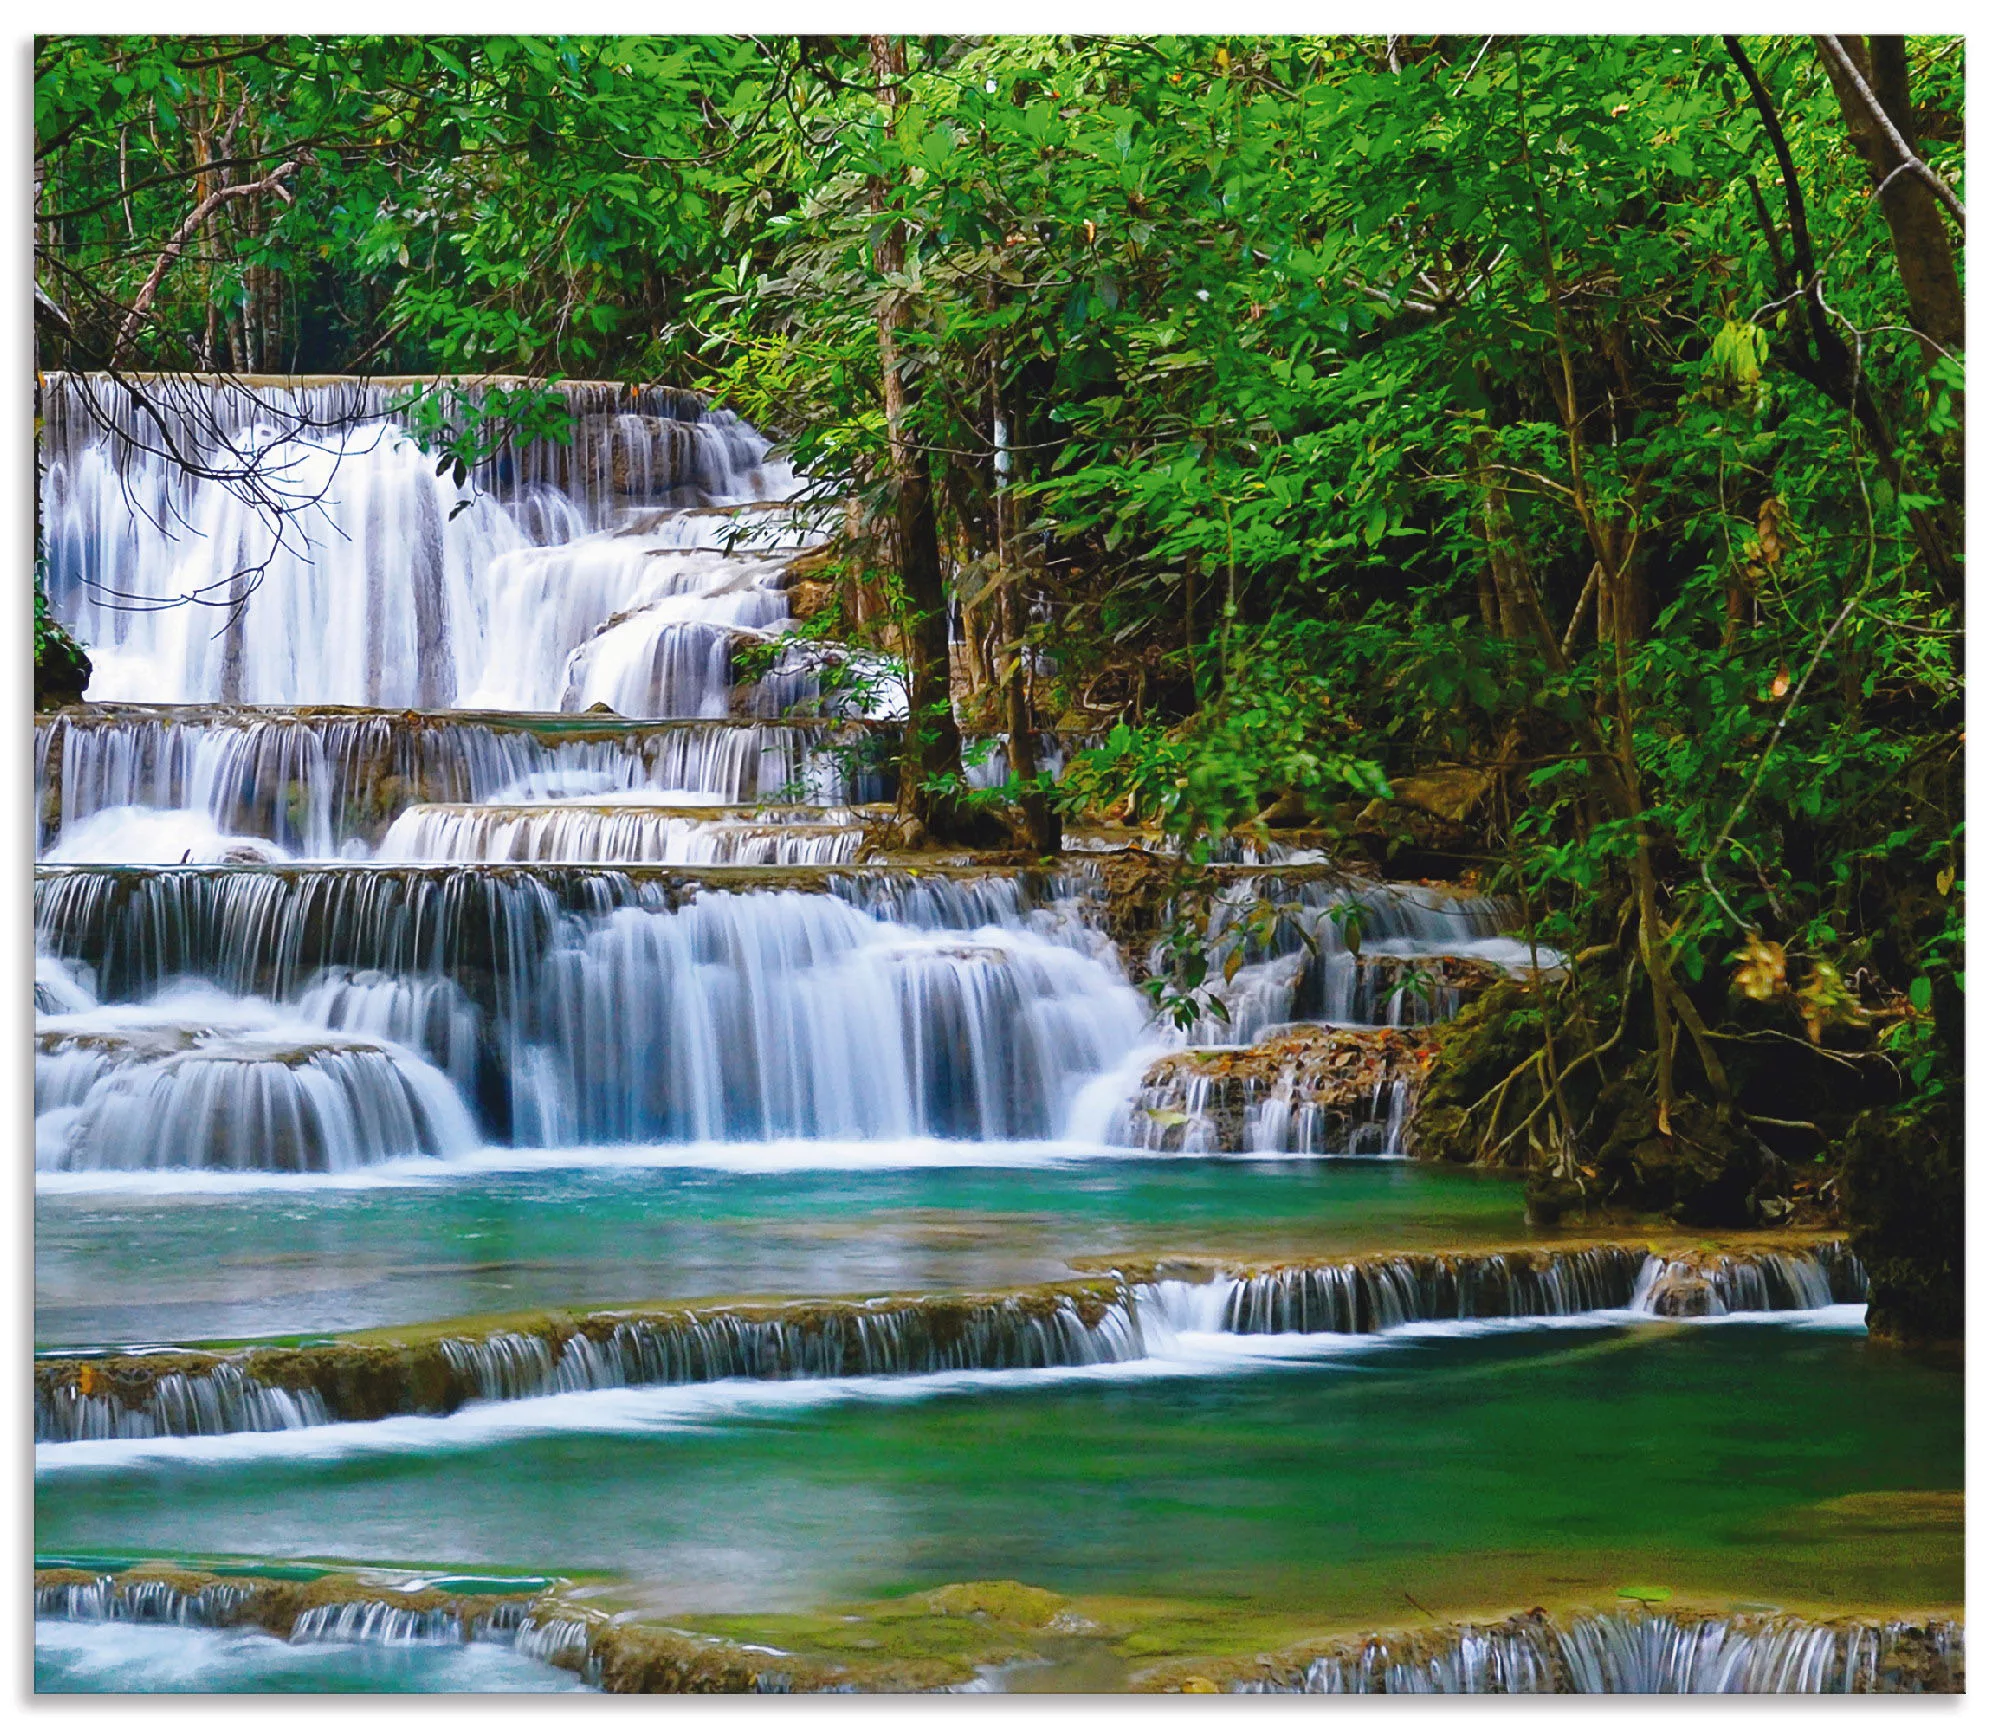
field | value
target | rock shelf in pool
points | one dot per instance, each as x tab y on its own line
986	1635
1119	1314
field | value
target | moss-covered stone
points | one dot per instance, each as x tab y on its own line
1468	1107
62	668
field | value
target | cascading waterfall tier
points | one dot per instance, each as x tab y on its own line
1582	1651
1633	1652
270	930
1115	1317
324	783
596	1005
152	1393
1385	1291
1310	945
307	547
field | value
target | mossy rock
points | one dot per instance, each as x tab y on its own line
1476	1051
1001	1599
62	668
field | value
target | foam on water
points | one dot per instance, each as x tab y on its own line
117	1656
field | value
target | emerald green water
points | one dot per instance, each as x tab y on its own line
1772	1462
176	1260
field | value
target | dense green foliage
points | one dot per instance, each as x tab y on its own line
1586	413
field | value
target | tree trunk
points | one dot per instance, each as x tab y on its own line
933	789
1043	827
1926	259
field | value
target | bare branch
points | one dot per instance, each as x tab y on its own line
272	182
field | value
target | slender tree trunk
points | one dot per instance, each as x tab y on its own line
1042	825
933	788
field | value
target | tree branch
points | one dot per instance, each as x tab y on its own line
272	182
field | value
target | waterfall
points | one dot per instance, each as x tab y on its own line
1377	1295
321	556
1777	1279
608	1005
615	833
317	785
1634	1652
265	1388
222	1399
197	1080
368	1611
144	1602
793	1014
1346	953
376	1623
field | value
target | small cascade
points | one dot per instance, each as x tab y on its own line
1631	1652
986	757
141	1602
937	1338
559	1639
363	1612
1687	1287
201	1081
617	833
1376	1295
1195	1113
1304	1090
220	1400
1347	953
377	1623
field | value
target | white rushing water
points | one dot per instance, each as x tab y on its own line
200	1080
325	559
